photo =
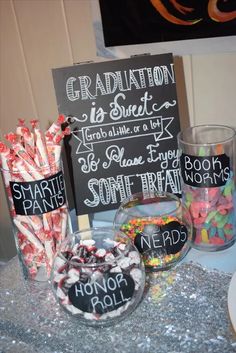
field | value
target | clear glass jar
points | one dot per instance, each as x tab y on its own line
98	276
38	208
159	226
207	159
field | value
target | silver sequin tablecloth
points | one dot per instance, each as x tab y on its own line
183	310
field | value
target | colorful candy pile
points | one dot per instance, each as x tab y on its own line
91	267
28	156
154	258
212	212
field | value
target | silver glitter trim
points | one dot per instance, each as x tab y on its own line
183	310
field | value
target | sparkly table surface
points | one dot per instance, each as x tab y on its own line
183	310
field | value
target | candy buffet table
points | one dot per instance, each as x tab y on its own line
183	310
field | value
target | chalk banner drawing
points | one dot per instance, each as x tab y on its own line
124	121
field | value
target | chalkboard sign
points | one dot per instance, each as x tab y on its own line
108	294
207	171
124	121
169	238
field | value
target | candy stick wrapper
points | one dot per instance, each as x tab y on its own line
20	128
55	128
31	168
28	138
5	163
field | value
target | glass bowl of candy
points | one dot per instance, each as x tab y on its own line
98	276
159	225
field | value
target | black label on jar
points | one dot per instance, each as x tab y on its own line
209	171
40	196
169	238
109	293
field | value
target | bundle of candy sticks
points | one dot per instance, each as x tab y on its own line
29	155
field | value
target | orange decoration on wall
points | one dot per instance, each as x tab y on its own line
217	15
161	8
213	11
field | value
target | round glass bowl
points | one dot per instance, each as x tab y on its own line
98	276
159	225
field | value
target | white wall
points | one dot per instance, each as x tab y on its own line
38	35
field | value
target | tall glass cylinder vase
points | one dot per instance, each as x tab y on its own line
38	208
207	159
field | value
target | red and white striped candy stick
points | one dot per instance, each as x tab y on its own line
56	219
38	235
57	224
54	152
5	159
64	215
20	151
34	123
47	221
28	251
55	128
16	173
60	137
28	138
19	129
52	221
32	257
36	225
39	147
54	148
62	235
49	243
40	144
24	229
21	166
50	249
37	157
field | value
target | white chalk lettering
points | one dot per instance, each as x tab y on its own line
115	154
168	159
89	163
39	197
120	186
212	178
111	189
83	87
17	193
119	111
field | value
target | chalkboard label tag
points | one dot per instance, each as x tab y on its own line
168	239
107	294
40	196
205	172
